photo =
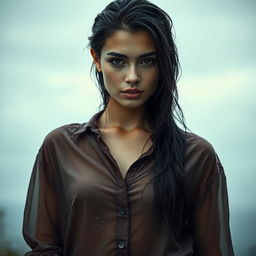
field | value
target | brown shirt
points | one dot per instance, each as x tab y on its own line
78	203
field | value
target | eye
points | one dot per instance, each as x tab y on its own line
148	61
116	61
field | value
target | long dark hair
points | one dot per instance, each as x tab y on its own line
162	109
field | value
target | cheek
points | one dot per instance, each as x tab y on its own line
152	78
111	76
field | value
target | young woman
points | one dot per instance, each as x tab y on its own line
129	181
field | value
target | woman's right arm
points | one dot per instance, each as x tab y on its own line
40	223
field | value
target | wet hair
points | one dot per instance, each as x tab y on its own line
162	108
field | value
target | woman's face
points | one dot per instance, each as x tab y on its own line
128	61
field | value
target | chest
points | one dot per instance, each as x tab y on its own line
126	148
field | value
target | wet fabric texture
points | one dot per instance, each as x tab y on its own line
78	203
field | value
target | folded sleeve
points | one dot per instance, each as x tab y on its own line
40	222
211	213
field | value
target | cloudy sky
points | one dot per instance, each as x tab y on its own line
45	83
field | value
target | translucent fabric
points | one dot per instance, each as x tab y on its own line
78	203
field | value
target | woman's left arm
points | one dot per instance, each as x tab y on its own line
41	228
211	214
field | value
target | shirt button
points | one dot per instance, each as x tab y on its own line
122	211
121	245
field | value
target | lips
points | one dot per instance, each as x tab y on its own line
132	91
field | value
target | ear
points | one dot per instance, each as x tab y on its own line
95	59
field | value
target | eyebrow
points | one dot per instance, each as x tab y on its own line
116	54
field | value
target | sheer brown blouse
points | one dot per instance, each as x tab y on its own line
78	203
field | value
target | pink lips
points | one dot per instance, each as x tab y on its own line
132	90
132	93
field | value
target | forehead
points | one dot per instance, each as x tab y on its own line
129	43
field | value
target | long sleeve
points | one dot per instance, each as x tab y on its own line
40	225
211	213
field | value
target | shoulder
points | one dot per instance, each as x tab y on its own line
58	141
196	144
62	134
201	160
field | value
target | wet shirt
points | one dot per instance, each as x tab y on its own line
78	203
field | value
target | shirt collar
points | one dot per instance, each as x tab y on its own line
92	124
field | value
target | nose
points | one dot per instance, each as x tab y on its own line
132	76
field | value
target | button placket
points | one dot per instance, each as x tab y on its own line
132	172
121	245
122	238
122	211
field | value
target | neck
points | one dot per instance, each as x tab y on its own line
127	119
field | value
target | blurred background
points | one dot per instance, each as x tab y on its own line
45	83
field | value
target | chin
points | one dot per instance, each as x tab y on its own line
133	105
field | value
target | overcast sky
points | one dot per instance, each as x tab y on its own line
45	83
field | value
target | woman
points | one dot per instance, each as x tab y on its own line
129	181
